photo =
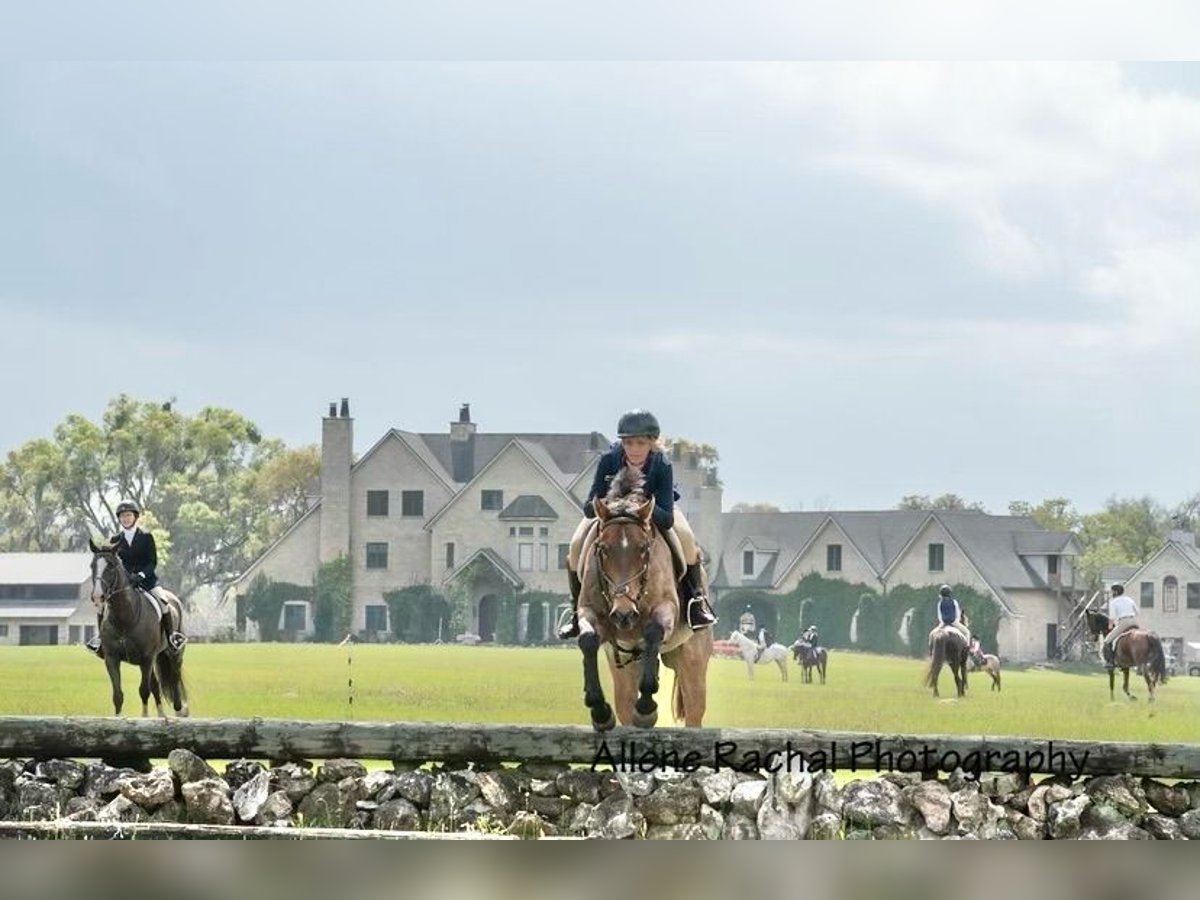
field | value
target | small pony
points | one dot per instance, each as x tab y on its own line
1136	647
628	603
747	649
810	657
947	646
131	631
988	662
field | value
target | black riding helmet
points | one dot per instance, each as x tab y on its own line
128	506
945	590
638	423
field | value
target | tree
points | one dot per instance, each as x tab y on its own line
214	492
948	502
755	508
1125	532
1054	514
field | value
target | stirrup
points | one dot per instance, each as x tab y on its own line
709	619
568	625
93	646
176	640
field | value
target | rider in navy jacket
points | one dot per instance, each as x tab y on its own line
659	483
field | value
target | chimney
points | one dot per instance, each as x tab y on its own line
337	451
462	445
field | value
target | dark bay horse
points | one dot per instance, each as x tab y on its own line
1136	647
629	605
948	646
131	631
809	657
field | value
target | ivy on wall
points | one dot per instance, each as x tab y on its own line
264	602
416	612
831	605
333	610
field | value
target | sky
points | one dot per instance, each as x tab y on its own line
858	280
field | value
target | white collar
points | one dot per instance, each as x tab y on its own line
129	533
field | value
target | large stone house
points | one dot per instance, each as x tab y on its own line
45	598
485	516
1166	588
1027	571
463	511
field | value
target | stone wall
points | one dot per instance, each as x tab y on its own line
536	800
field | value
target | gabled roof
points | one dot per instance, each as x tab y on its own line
993	545
524	448
565	454
528	506
270	548
418	449
492	558
1187	552
45	568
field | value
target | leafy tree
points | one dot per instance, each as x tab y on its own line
1126	531
755	508
214	491
948	502
1054	514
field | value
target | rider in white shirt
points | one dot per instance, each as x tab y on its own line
1122	614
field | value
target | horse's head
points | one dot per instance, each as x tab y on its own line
108	575
622	548
1097	623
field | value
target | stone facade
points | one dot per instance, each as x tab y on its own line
490	514
546	799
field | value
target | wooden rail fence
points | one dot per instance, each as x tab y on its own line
748	749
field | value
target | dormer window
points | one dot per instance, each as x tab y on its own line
747	562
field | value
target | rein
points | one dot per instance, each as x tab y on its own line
609	589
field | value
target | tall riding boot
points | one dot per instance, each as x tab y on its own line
94	644
570	626
699	612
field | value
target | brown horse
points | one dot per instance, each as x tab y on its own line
809	657
947	645
131	631
1136	647
629	604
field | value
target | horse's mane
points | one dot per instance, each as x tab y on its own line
627	491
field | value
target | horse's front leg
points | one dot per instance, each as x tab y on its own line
113	665
645	710
144	688
593	692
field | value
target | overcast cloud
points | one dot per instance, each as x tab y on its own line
858	280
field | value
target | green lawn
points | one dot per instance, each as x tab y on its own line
505	684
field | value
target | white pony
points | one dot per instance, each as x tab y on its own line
776	653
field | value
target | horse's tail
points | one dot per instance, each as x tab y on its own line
937	656
1156	665
169	667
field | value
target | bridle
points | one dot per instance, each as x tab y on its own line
98	581
610	590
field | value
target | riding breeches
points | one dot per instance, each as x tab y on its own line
1122	626
957	626
682	529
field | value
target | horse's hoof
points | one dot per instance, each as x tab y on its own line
645	720
603	719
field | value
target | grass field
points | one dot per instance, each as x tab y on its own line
504	684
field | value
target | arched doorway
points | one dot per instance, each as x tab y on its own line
489	610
